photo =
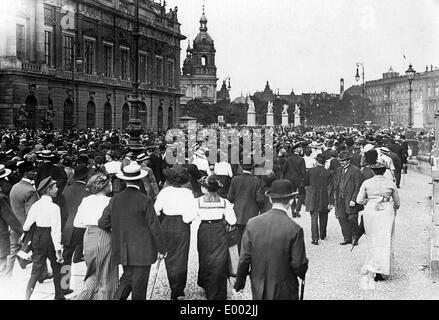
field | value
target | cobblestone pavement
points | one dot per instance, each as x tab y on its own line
334	271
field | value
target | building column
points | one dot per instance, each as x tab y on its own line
39	32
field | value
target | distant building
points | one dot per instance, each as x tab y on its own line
76	57
199	79
390	98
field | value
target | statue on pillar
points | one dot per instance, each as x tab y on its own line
285	111
22	117
297	110
270	107
251	106
49	117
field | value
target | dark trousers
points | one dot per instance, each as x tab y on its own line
296	206
319	221
348	222
240	228
398	177
134	280
67	264
42	249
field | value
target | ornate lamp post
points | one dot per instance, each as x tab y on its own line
357	78
135	128
410	76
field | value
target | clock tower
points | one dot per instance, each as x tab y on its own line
199	79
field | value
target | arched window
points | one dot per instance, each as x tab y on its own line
170	118
160	118
91	114
68	114
203	60
125	115
31	109
107	116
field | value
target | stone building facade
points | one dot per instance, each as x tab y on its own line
199	78
75	57
390	98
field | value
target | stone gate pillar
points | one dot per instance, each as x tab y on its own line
434	245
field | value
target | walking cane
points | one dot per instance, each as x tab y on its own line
155	278
302	288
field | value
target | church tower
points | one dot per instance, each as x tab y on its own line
199	79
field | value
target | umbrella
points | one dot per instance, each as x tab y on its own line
302	288
155	278
361	231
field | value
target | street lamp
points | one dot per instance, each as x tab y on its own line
411	76
357	78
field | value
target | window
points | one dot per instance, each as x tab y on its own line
108	61
48	47
204	92
21	46
203	60
89	55
171	81
159	70
143	67
68	47
124	66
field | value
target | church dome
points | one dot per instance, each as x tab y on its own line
203	37
239	100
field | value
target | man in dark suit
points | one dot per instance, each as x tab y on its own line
397	163
73	238
246	194
273	250
356	156
157	163
317	198
136	237
404	151
294	170
346	185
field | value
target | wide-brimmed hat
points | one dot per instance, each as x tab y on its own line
211	183
344	155
98	182
4	172
46	154
200	153
25	166
81	171
132	172
281	189
142	157
45	184
385	150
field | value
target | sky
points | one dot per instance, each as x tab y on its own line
308	45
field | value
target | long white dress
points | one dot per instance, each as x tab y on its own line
380	198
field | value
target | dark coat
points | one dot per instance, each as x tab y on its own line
246	194
136	236
351	188
7	219
317	195
294	170
22	196
73	196
273	252
397	163
356	160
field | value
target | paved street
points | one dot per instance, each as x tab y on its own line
333	269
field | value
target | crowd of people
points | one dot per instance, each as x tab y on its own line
76	196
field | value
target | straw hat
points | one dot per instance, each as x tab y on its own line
4	172
46	154
132	172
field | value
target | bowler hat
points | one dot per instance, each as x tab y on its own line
25	166
281	189
344	155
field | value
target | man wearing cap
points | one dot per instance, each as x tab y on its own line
273	250
383	157
46	240
294	170
22	196
346	184
73	238
136	236
7	220
246	194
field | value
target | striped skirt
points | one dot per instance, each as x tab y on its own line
102	277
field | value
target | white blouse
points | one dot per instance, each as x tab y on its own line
223	169
90	210
216	210
177	202
46	214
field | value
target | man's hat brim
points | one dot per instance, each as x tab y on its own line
141	175
280	196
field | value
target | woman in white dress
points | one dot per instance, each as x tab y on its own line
102	276
381	200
